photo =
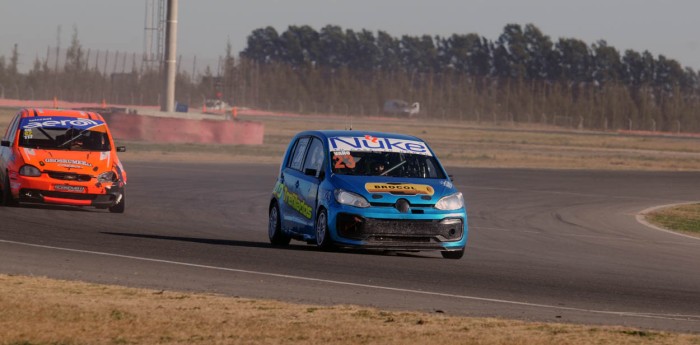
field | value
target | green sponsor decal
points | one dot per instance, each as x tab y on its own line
292	199
277	192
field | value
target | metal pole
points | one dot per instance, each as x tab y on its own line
168	104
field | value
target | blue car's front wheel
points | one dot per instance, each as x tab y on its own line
323	237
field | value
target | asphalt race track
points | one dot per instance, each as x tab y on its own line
545	245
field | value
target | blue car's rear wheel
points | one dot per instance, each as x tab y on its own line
274	228
323	237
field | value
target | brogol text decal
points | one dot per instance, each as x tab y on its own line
401	188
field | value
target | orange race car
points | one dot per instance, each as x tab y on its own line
64	157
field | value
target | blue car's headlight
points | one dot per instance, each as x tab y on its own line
450	202
348	198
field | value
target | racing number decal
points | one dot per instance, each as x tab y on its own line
344	161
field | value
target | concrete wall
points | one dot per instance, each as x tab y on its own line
163	129
177	130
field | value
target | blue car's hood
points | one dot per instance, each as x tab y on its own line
381	189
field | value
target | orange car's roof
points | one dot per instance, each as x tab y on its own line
36	112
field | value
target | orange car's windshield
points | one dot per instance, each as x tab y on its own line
63	133
64	139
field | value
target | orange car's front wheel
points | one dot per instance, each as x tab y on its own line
120	206
7	199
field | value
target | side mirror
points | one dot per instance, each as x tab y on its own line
121	148
6	143
452	177
310	172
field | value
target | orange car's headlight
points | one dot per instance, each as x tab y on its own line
108	176
29	170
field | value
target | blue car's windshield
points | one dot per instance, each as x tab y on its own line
391	164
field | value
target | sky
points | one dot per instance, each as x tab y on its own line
668	28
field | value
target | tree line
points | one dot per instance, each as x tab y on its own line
519	53
522	76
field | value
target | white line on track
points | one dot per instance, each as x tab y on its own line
675	317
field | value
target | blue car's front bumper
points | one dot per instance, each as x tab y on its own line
387	228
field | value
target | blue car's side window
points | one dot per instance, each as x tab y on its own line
314	159
432	171
298	155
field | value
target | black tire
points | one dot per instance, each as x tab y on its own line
323	237
453	254
7	199
121	206
274	228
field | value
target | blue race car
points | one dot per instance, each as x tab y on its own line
366	189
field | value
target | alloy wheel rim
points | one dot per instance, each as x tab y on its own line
272	228
321	228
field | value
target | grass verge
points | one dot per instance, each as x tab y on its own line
682	218
40	311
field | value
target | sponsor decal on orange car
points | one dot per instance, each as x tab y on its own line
399	188
105	156
68	161
70	166
68	188
58	121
